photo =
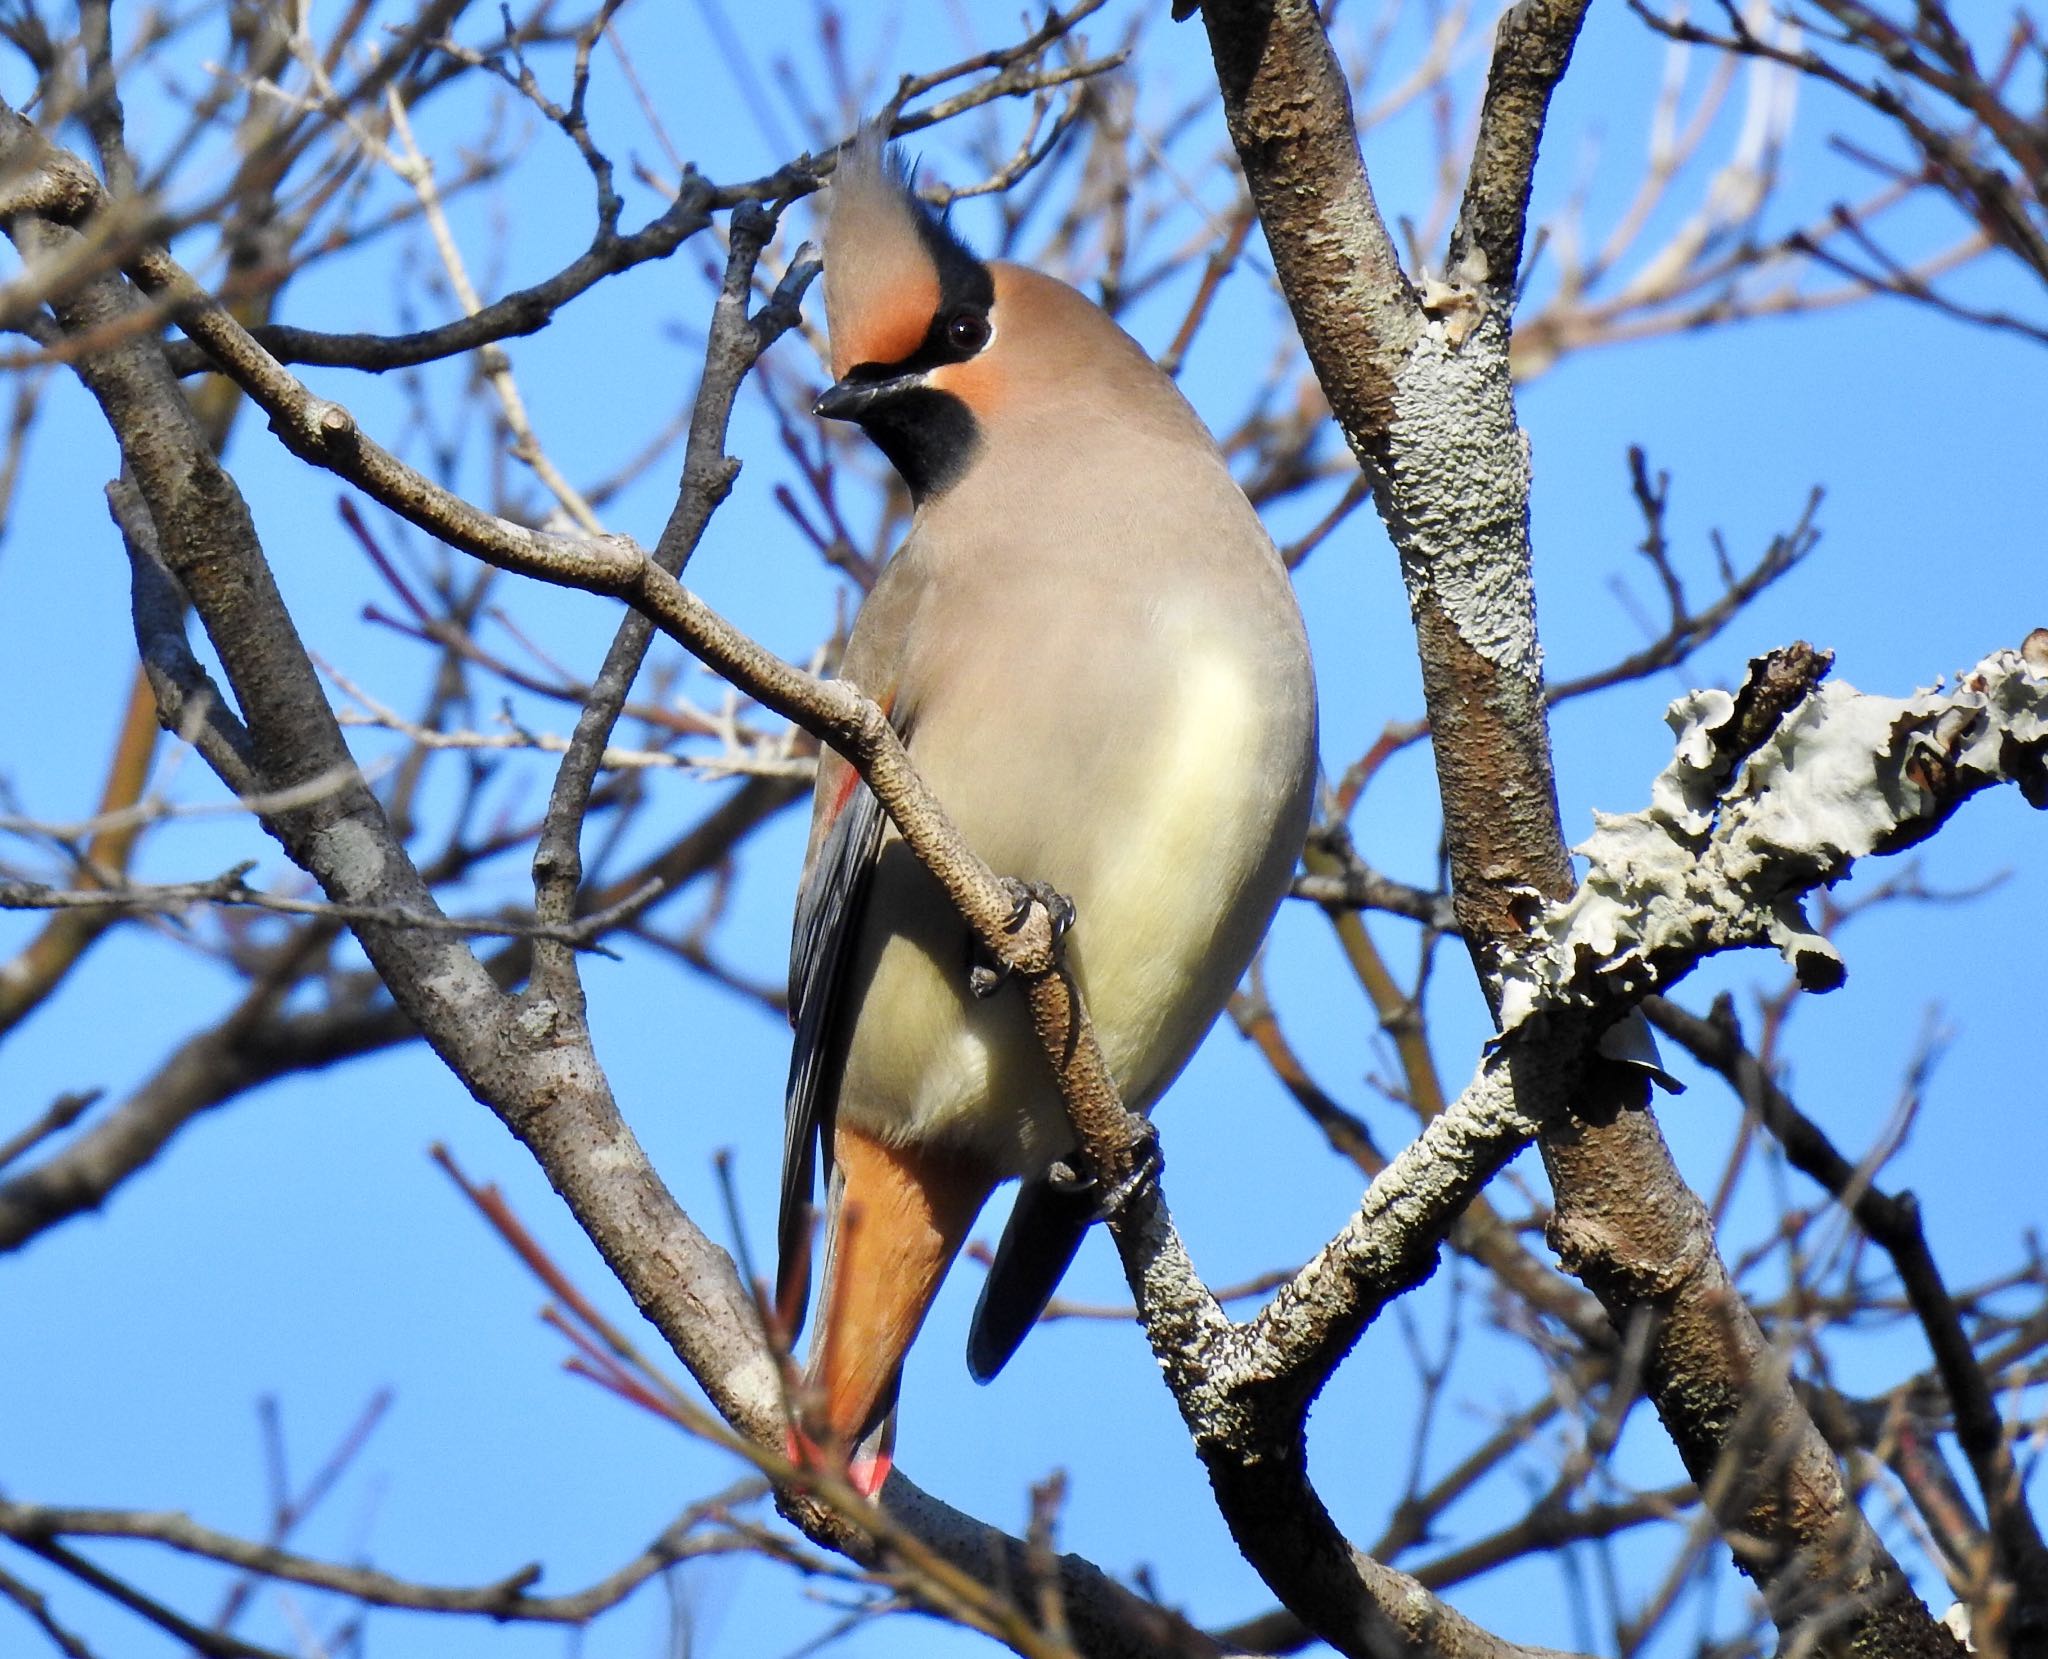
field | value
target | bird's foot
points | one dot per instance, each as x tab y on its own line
1024	894
986	975
1146	1162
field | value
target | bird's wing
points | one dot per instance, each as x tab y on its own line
1045	1229
828	913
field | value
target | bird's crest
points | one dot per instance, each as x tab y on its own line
889	260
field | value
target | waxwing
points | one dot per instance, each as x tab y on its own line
1094	655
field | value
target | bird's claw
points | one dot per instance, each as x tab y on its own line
986	975
1146	1163
1068	1181
1024	894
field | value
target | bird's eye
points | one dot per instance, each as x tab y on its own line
968	331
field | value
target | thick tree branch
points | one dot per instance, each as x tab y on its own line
1244	1390
1772	794
1289	109
1425	398
1532	45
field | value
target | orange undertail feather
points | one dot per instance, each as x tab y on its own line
901	1215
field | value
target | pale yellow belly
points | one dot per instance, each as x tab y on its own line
1167	852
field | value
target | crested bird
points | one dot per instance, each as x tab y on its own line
1093	654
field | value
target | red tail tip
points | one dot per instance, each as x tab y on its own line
866	1473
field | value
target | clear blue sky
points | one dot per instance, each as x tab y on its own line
300	1244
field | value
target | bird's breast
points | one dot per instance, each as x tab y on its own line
1140	758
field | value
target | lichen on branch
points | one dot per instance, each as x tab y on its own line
1744	823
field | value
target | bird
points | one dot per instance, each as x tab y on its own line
1093	654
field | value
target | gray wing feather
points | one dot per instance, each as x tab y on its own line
828	912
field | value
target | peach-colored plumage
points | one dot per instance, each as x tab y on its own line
902	1214
881	289
1069	346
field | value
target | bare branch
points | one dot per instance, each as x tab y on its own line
213	1644
1424	395
1289	110
55	1118
507	1598
737	341
36	1606
1892	1221
173	898
1532	46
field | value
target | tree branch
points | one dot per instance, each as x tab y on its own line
506	1599
1773	793
1289	110
1532	46
735	345
1892	1221
1424	395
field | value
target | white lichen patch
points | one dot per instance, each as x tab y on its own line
1730	845
1458	489
349	857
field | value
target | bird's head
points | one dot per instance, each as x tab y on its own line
936	353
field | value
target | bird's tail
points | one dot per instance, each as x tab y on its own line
1046	1228
895	1218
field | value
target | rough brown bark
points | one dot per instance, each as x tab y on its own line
1421	387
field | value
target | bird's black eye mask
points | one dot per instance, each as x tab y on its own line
930	436
960	327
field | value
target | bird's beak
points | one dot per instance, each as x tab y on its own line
850	399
